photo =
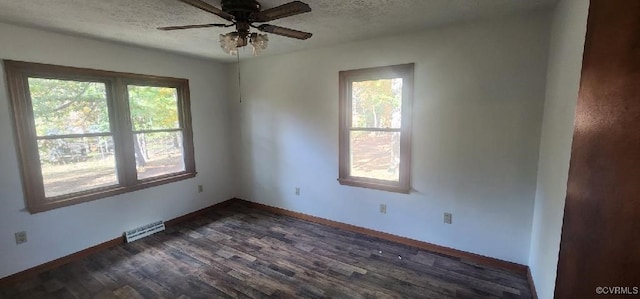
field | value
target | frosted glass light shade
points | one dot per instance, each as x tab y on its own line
229	43
259	42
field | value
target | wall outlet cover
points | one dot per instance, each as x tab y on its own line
21	237
448	217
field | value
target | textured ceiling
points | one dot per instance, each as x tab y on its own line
331	21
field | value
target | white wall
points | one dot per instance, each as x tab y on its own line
563	76
59	232
477	114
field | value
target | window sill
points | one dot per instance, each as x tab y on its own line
375	184
72	199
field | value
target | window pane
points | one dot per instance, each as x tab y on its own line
158	153
376	103
153	108
76	164
69	107
375	155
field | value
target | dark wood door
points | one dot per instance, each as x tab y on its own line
600	244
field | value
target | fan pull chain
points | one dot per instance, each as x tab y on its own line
239	78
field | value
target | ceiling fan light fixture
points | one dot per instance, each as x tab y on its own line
242	14
259	42
229	42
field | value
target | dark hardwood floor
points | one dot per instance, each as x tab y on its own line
242	252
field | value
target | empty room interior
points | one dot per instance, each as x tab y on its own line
319	149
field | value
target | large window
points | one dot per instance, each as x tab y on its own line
375	127
84	134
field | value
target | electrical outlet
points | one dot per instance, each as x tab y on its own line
383	208
448	218
297	190
21	237
200	188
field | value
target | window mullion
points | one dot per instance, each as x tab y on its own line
73	136
157	131
123	134
376	129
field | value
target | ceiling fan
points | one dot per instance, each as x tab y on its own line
243	14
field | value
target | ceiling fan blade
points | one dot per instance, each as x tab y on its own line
284	31
209	8
168	28
282	11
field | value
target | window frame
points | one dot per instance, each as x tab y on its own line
346	79
17	76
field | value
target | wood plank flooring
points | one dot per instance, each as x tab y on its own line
242	252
